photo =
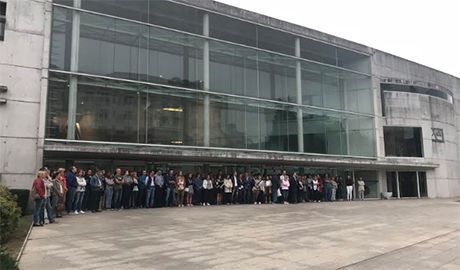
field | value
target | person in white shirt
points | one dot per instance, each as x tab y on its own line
207	190
80	192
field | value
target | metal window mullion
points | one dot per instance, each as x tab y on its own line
206	121
418	184
397	185
300	142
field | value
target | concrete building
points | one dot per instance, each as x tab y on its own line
202	86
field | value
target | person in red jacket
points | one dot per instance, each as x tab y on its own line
38	191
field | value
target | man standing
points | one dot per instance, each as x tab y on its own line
159	188
170	189
235	187
150	190
71	188
142	189
275	187
96	189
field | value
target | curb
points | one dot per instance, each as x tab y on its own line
24	243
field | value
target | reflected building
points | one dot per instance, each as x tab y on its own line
203	86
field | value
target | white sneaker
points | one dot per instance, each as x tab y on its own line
82	212
208	204
76	212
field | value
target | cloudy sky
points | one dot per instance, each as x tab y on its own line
424	31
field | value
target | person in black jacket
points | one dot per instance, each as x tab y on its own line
293	188
275	187
170	183
96	187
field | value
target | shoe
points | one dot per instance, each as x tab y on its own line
38	225
76	212
208	204
82	212
53	221
255	202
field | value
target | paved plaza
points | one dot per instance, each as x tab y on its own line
395	234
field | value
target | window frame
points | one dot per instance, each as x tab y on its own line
3	21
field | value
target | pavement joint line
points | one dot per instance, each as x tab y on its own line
398	249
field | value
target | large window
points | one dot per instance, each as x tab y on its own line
2	20
403	141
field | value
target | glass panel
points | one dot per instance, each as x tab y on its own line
227	124
277	77
2	29
123	49
109	111
278	129
225	28
403	141
408	184
361	139
353	60
57	106
318	51
371	183
312	85
358	92
64	2
233	69
274	40
174	117
392	184
422	183
61	39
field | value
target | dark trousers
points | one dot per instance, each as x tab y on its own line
134	199
159	197
227	198
247	194
328	193
86	199
116	201
141	197
94	200
126	197
197	196
234	195
71	192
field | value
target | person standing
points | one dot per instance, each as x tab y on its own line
150	190
228	188
71	181
219	189
247	187
268	189
349	183
81	181
361	188
127	188
316	194
142	189
96	185
159	189
293	188
309	188
189	189
48	195
328	188
38	195
207	190
87	196
135	190
180	187
285	187
258	190
235	186
170	199
197	189
57	201
108	192
276	181
117	189
334	189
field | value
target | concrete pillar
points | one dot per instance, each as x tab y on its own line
73	85
397	185
418	184
206	124
299	97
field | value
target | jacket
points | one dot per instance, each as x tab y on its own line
71	180
39	187
95	183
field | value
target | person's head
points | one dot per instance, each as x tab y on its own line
190	175
61	171
126	172
73	169
118	171
89	172
294	174
107	175
152	173
80	173
54	174
171	172
133	174
284	172
41	174
180	173
159	172
228	176
361	179
235	173
144	173
99	172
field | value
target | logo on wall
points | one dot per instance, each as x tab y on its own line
437	135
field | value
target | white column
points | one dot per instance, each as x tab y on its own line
206	127
418	185
397	185
73	85
299	97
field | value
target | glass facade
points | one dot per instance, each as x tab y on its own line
141	77
403	141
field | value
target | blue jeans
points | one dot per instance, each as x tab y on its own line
46	205
78	201
108	195
274	195
117	198
170	194
70	198
150	197
38	205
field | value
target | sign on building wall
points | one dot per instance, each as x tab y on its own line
437	135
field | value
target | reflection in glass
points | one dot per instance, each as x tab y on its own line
61	39
57	106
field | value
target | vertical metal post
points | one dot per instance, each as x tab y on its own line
73	85
299	97
418	184
397	184
206	127
354	185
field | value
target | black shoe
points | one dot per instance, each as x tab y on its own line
38	225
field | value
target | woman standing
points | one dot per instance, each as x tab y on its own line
117	189
135	190
197	189
361	188
349	183
47	200
268	189
228	187
180	187
81	181
316	192
189	189
58	196
259	188
108	193
219	189
127	190
284	178
207	190
38	195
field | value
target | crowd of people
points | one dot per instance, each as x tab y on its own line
75	191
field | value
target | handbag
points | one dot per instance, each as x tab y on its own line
278	192
34	194
186	189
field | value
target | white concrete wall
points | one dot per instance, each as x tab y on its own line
409	109
23	69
